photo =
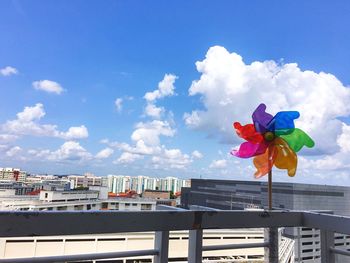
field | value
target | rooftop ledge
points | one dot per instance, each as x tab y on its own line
24	223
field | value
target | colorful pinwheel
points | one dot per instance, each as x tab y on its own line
272	140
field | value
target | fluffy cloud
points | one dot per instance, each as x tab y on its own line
230	90
27	123
196	154
105	153
139	148
154	111
150	132
13	151
166	88
127	157
344	139
7	71
6	138
48	86
119	104
146	137
31	113
218	164
172	158
70	151
80	132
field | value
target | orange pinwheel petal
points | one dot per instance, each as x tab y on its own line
286	157
264	162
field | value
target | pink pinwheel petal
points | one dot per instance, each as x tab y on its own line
248	149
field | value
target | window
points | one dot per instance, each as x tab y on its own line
307	243
146	206
307	250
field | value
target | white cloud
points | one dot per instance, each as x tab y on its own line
6	138
218	164
70	151
150	132
154	111
31	113
165	88
27	123
39	153
7	71
344	139
127	157
196	154
13	151
230	90
119	104
325	163
172	158
105	153
146	138
48	86
140	148
80	132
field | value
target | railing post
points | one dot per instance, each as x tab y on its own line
161	243
327	241
271	251
195	246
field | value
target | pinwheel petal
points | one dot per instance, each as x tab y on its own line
264	162
297	139
248	149
261	118
248	133
283	121
286	157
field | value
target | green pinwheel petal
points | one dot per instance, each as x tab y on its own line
281	132
296	139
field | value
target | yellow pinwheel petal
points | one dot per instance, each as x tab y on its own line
285	156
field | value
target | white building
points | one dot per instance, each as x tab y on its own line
118	183
13	174
72	200
122	183
84	181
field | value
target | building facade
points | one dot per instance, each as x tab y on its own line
122	183
233	195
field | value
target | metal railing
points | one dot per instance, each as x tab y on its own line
20	224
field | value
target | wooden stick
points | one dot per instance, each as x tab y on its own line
269	179
270	189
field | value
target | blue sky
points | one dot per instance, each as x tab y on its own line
65	64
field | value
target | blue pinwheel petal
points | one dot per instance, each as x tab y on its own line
283	121
261	118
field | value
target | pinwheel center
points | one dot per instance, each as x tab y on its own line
269	136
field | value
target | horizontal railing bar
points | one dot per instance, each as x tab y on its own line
91	256
20	224
169	208
235	246
335	223
339	251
